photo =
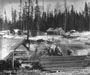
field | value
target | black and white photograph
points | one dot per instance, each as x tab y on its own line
44	37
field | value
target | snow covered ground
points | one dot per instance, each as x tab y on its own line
80	44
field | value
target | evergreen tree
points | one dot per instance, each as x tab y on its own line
1	23
37	16
49	19
86	24
72	18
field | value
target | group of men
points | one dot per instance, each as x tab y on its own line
53	50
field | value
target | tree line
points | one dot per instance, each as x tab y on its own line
31	18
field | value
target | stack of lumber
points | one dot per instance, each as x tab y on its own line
55	63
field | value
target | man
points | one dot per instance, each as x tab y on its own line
58	51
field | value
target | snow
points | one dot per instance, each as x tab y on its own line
7	46
33	47
83	52
86	33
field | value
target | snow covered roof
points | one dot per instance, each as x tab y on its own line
8	45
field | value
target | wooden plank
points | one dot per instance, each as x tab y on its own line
21	56
63	68
60	62
63	65
30	61
63	58
19	52
56	62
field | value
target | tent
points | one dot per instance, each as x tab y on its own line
56	31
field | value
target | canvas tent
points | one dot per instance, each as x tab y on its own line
56	31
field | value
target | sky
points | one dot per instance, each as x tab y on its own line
6	5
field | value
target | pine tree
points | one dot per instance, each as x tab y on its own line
1	23
86	26
65	24
86	9
37	16
72	18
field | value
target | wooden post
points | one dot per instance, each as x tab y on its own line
13	63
